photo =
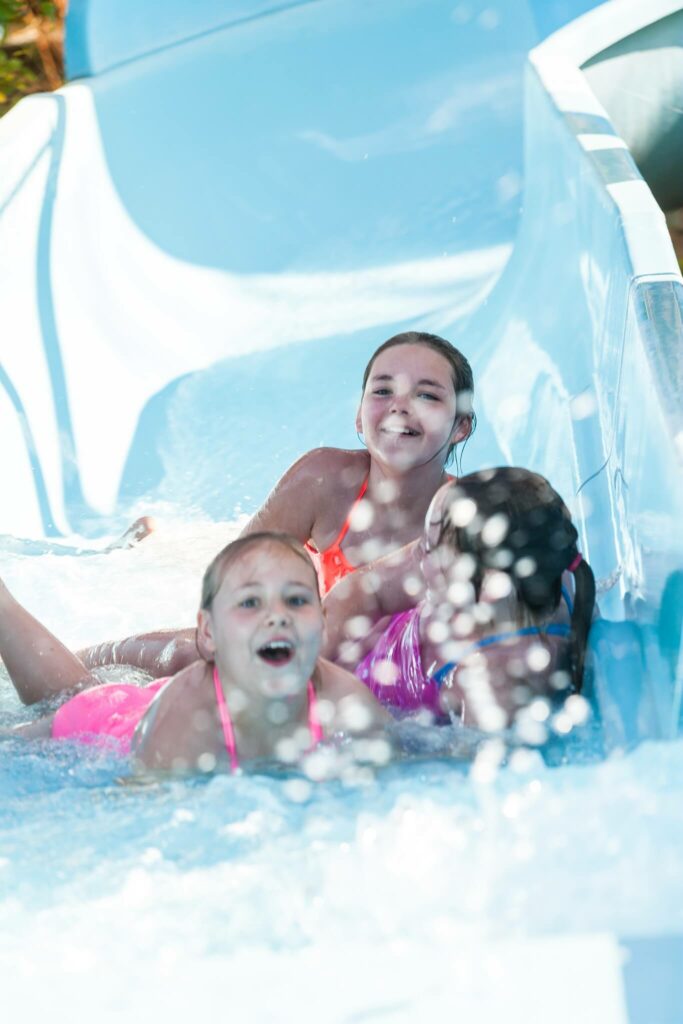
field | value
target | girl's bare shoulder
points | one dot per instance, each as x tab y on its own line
339	475
311	492
351	699
180	724
330	466
187	687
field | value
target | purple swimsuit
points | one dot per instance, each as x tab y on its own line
393	671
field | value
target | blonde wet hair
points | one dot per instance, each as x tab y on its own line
215	571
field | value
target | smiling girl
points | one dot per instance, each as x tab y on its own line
259	692
351	507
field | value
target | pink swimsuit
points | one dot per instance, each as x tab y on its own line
114	710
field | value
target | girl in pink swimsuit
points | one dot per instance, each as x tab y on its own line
259	631
351	507
490	630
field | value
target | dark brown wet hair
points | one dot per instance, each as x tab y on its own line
461	371
538	543
213	577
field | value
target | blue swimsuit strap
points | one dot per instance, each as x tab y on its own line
554	629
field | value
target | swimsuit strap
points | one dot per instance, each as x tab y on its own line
347	522
226	722
554	629
567	599
314	725
359	497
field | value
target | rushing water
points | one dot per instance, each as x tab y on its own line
433	853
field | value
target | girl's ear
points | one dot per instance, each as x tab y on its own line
462	429
359	423
205	641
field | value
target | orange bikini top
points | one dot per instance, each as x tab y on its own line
331	563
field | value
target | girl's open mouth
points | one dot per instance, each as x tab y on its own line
401	431
276	652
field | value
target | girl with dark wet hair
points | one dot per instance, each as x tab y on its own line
351	507
489	630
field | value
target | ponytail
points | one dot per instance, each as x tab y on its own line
582	616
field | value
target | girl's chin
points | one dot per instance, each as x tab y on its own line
279	687
403	456
398	459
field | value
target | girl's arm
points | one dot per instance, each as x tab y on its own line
40	729
161	653
38	664
355	605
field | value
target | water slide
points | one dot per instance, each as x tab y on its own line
206	232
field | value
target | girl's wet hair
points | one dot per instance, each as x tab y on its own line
463	379
533	540
215	572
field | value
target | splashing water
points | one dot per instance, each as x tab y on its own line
430	854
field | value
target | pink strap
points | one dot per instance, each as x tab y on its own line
314	726
574	565
226	722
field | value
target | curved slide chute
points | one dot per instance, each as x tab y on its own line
206	234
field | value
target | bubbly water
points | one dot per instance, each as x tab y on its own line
421	857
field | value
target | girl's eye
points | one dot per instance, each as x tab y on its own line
298	600
249	602
429	395
381	392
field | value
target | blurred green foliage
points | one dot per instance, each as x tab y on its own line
31	38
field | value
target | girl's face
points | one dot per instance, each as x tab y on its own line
408	410
265	625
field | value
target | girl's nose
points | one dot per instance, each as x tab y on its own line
278	614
